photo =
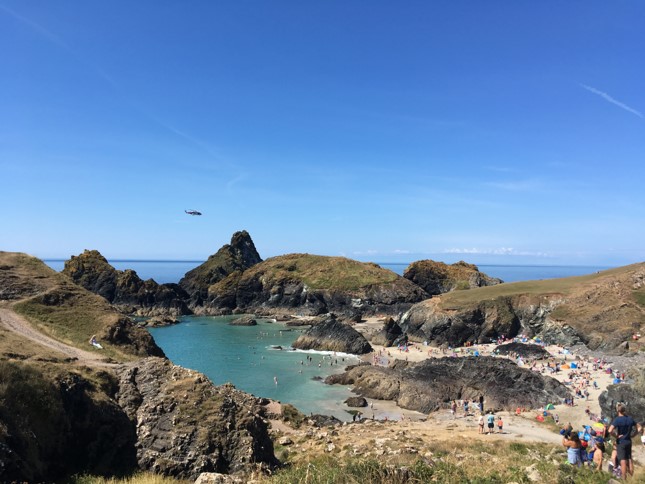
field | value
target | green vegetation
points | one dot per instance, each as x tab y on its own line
292	415
321	272
140	478
72	315
639	297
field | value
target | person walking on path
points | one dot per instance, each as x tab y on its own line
623	427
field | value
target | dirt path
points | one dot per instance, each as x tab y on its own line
19	325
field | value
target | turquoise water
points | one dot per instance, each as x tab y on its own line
246	357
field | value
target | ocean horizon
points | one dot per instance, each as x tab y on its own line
171	271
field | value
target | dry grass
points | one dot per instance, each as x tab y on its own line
141	478
322	272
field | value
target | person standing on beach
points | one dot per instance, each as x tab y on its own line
623	427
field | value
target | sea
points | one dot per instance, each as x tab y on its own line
259	359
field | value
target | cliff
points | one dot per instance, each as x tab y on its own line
68	408
313	285
125	289
438	277
427	386
235	257
601	310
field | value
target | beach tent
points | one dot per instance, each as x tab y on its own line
565	366
565	351
476	353
540	418
616	381
549	406
574	365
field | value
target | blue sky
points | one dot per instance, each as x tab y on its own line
495	132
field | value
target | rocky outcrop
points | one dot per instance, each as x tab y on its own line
356	402
632	396
600	310
438	277
390	333
332	335
428	385
125	289
185	425
526	351
244	321
314	285
235	257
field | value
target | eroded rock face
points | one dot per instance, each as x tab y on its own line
185	425
125	289
426	386
390	333
332	335
438	277
51	428
235	257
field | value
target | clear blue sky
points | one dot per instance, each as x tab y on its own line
490	131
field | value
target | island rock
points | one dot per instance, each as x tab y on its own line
332	335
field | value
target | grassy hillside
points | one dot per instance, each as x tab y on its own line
321	272
58	307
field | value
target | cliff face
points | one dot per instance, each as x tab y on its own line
185	425
314	285
601	310
438	278
125	289
235	257
426	386
55	422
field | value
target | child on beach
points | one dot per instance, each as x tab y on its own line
500	424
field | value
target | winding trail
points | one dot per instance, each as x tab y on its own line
19	325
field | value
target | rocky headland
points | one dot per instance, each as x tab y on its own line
312	285
125	289
429	385
600	310
438	278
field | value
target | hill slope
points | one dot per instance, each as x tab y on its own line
601	310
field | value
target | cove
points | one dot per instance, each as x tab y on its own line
246	356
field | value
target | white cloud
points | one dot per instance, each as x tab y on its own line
610	99
495	251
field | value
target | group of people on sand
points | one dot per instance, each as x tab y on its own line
489	419
589	446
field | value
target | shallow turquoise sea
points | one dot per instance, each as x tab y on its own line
247	356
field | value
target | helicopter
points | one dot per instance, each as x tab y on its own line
193	212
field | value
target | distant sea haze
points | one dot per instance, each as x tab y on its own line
165	271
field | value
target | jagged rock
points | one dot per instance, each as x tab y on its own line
233	258
438	278
426	386
124	288
323	421
244	321
333	335
185	425
157	321
527	351
217	478
631	395
356	402
285	441
389	334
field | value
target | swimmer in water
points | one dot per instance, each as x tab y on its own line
275	380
